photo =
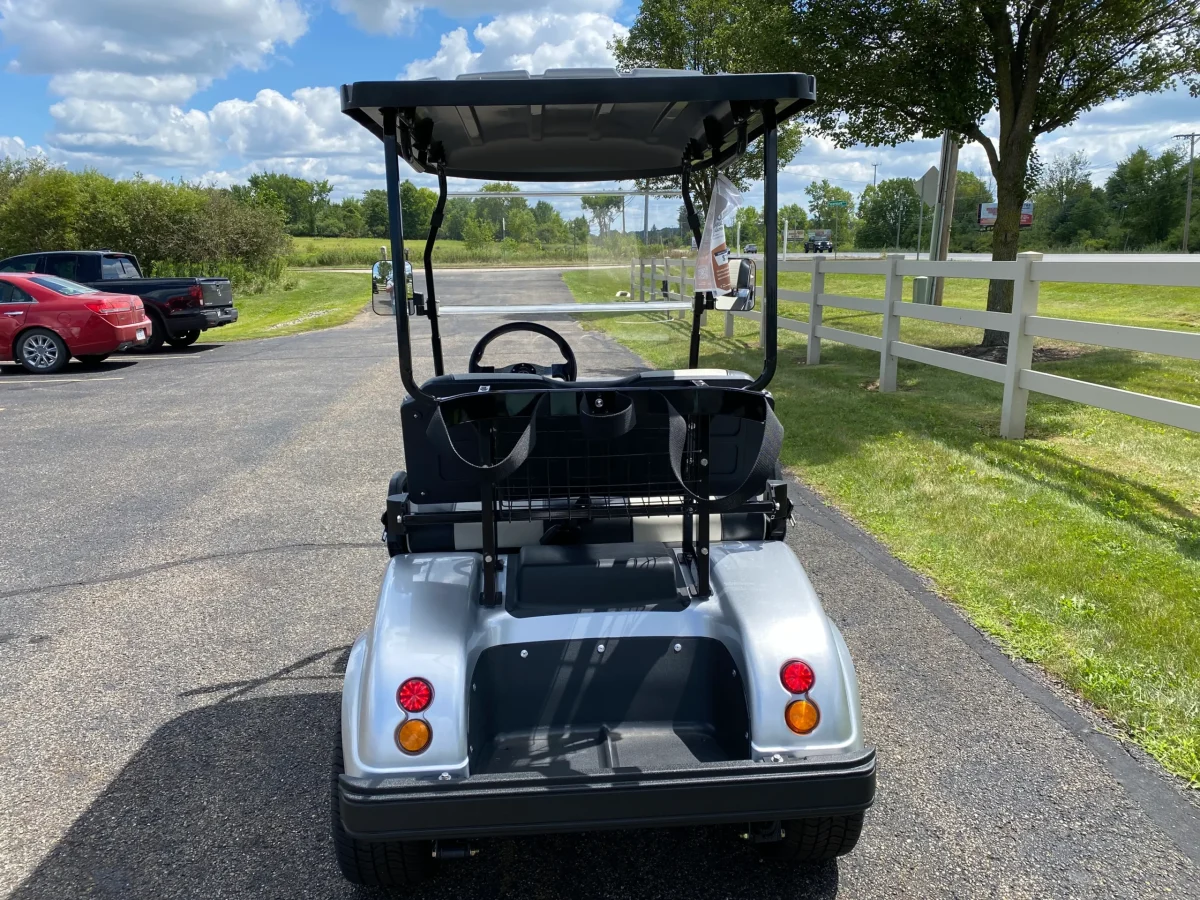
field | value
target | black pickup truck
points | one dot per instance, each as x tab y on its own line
179	308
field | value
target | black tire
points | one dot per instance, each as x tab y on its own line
184	340
386	864
42	352
158	332
91	360
815	840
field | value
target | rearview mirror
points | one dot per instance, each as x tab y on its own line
742	299
382	289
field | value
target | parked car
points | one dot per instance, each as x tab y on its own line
751	249
179	308
45	320
818	245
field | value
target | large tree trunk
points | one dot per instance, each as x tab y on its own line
1010	194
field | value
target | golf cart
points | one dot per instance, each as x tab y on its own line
590	619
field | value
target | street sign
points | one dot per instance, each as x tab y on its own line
837	202
927	186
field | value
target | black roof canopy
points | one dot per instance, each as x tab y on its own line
576	124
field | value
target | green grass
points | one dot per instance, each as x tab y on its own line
1077	548
358	252
303	301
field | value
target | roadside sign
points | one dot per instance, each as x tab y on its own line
987	214
837	202
927	186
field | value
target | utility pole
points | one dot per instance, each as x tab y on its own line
1187	214
874	172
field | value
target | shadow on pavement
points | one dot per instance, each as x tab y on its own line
231	800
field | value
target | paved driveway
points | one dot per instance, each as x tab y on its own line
190	543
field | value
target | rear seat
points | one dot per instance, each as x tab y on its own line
436	485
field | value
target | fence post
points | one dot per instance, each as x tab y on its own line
814	311
728	324
632	266
1020	348
641	279
893	293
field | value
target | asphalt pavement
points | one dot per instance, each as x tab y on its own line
190	542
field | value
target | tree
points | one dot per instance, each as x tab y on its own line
969	192
302	199
891	70
890	215
416	210
478	233
836	218
1148	194
710	36
602	209
375	213
751	222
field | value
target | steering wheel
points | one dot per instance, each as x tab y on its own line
567	371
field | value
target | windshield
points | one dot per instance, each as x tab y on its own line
62	286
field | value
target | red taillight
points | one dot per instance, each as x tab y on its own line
414	695
107	306
797	676
196	293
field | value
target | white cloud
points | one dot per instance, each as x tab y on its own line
122	86
534	41
391	16
172	39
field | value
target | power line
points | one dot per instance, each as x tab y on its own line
1187	213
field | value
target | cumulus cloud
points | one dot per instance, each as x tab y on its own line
391	16
534	41
304	131
171	40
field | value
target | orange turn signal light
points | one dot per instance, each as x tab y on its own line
413	735
802	716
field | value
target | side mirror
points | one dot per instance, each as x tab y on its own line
383	301
742	298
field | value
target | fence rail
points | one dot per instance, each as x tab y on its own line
1023	324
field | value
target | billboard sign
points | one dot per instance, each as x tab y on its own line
987	214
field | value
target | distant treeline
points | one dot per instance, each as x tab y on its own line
173	228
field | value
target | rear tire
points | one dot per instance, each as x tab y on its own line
91	360
184	340
42	352
386	864
158	332
815	840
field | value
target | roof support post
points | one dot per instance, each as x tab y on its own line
697	297
435	223
391	163
770	331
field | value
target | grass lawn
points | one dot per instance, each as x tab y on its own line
305	301
1077	548
359	252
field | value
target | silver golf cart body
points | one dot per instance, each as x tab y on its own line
590	576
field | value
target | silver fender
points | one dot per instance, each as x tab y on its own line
428	623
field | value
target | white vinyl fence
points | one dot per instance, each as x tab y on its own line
1023	324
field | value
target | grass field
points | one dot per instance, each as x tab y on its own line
334	252
303	301
1077	548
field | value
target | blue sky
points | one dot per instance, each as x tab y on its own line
218	89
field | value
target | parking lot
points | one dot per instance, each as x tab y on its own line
191	543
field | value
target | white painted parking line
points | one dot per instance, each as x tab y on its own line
19	381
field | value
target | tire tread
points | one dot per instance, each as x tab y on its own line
374	863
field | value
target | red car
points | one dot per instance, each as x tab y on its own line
45	320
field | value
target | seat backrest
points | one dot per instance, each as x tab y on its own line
564	462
